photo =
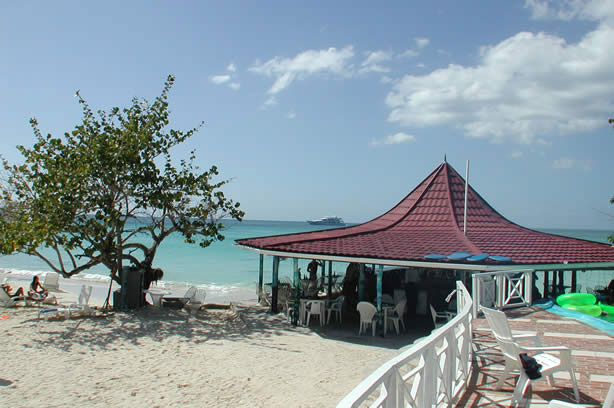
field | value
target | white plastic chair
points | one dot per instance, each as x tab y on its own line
508	343
397	315
7	301
368	316
52	281
82	306
439	318
195	298
497	320
315	307
336	308
607	403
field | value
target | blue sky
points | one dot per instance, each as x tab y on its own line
341	108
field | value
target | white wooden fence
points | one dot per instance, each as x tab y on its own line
502	289
432	373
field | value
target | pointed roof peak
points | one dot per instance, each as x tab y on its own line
430	220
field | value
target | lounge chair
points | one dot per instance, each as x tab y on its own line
82	307
508	343
368	316
195	298
52	281
10	301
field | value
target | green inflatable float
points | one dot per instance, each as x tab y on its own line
580	302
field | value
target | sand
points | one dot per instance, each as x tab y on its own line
159	357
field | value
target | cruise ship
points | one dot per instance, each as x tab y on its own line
327	221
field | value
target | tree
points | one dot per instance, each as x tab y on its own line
108	192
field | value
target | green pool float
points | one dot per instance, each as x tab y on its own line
577	299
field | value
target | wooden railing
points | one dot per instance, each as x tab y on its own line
432	373
502	289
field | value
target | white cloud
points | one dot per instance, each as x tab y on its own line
373	62
235	85
291	115
568	163
571	9
231	68
409	53
525	88
310	62
397	138
219	79
421	42
271	101
516	155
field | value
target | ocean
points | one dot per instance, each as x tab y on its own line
222	266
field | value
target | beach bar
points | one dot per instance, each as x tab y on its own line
443	224
443	227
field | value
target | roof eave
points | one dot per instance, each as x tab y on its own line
428	264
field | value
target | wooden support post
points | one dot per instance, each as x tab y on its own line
546	283
380	315
260	276
296	286
361	282
574	282
561	286
275	285
329	293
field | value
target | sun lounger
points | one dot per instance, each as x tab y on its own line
10	301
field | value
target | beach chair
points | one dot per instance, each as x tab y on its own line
397	315
8	301
508	343
52	281
368	316
337	308
195	298
82	306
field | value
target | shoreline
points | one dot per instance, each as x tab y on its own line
70	288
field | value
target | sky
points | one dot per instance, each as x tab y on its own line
341	108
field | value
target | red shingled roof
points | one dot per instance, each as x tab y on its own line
430	220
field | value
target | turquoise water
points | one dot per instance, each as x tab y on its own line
224	265
220	264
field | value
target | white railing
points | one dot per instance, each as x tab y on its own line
432	373
502	289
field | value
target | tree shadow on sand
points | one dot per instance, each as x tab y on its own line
243	323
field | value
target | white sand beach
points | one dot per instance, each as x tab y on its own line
159	357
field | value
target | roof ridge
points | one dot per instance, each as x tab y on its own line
357	229
458	231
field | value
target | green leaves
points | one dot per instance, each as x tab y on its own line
81	193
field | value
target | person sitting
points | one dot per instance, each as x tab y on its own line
37	291
18	292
